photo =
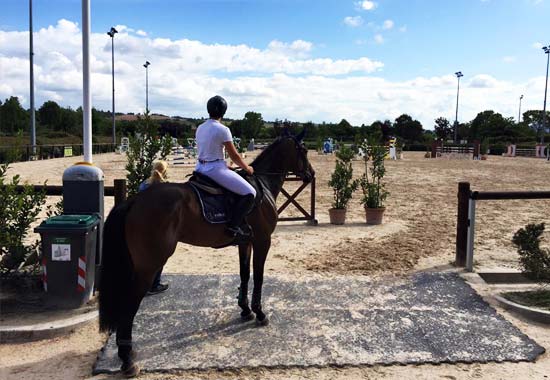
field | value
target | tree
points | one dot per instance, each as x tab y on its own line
408	129
13	117
488	124
533	119
442	128
50	115
249	127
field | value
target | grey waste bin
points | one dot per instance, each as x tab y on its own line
69	245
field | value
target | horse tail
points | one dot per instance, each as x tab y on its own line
116	269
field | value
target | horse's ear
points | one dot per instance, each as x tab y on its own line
301	135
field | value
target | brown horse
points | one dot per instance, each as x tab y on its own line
142	233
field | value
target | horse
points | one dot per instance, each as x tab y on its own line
141	234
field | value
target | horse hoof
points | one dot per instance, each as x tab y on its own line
263	322
129	371
247	317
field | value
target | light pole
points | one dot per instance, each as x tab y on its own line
146	65
519	113
31	60
111	34
458	75
547	52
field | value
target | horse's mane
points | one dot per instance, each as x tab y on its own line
267	151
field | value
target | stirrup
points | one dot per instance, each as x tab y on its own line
239	236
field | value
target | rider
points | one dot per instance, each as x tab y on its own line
212	137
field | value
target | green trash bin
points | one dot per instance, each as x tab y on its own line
69	246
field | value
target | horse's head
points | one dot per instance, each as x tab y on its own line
296	152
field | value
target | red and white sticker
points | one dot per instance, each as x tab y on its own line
81	282
44	275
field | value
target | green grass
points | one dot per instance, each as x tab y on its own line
534	298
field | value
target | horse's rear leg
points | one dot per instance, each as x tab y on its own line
260	254
124	332
244	263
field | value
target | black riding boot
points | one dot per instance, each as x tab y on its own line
237	226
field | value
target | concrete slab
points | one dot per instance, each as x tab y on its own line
425	318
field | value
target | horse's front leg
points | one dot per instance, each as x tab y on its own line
261	248
244	264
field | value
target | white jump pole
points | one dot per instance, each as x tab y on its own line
86	96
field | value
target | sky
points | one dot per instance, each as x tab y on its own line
302	60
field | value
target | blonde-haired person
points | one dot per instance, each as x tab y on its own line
159	174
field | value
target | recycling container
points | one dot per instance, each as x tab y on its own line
69	246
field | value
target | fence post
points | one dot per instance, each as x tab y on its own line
462	223
120	191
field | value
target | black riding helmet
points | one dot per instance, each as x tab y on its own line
216	107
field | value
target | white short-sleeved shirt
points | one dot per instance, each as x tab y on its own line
211	135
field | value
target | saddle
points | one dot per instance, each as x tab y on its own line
216	201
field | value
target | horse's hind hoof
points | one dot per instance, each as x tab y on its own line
129	371
247	317
263	322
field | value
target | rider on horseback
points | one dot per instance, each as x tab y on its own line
212	137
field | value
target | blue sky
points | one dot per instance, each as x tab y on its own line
418	43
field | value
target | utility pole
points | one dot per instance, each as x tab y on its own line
146	65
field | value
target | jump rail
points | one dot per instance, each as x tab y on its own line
119	190
465	226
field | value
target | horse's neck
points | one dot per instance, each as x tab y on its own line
268	169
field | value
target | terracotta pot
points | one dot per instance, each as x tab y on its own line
374	215
337	215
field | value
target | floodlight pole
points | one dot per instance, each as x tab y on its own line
519	112
111	33
31	60
146	65
458	75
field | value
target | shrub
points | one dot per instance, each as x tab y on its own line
534	260
341	180
145	147
18	210
374	190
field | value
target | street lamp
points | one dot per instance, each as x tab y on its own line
111	34
519	113
146	65
547	52
458	75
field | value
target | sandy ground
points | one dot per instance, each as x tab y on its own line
418	234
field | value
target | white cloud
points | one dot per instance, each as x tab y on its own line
483	81
141	33
537	45
388	24
298	48
365	5
403	29
509	59
353	21
274	80
379	39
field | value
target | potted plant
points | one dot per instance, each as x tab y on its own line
342	185
374	190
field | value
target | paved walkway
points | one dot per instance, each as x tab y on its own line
426	318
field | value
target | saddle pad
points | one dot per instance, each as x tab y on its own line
213	206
